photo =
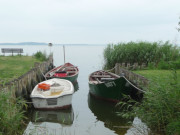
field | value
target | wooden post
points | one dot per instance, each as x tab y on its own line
143	65
117	69
64	53
50	45
123	65
128	65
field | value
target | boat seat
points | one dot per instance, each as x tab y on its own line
72	67
103	76
107	79
71	71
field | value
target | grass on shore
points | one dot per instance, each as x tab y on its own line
161	76
14	66
160	107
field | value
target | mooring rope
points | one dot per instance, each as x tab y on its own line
111	69
134	85
127	80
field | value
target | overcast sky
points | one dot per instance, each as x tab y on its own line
89	21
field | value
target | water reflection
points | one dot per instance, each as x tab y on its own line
106	112
76	86
49	122
64	117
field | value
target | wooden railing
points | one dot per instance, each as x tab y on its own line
133	66
136	79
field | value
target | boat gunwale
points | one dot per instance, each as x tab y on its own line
48	76
52	97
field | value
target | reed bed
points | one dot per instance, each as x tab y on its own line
160	54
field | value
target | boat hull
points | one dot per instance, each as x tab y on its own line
72	79
61	102
111	90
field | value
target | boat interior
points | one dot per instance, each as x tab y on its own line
65	70
55	89
101	77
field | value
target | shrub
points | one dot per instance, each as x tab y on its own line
41	56
151	65
163	65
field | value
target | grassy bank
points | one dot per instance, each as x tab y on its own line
12	109
14	66
160	107
158	76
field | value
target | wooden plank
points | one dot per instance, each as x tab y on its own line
71	71
104	76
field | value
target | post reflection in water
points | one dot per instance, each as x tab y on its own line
49	122
106	112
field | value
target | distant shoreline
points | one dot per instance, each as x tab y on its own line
24	43
37	43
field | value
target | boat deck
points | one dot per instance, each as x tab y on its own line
56	89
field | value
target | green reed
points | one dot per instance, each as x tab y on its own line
141	52
11	114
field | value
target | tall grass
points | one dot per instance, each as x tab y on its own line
160	108
11	114
141	52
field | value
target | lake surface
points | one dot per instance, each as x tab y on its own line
88	116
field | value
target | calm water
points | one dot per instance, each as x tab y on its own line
88	116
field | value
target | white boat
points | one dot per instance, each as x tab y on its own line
52	94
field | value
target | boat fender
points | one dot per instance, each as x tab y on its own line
44	86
